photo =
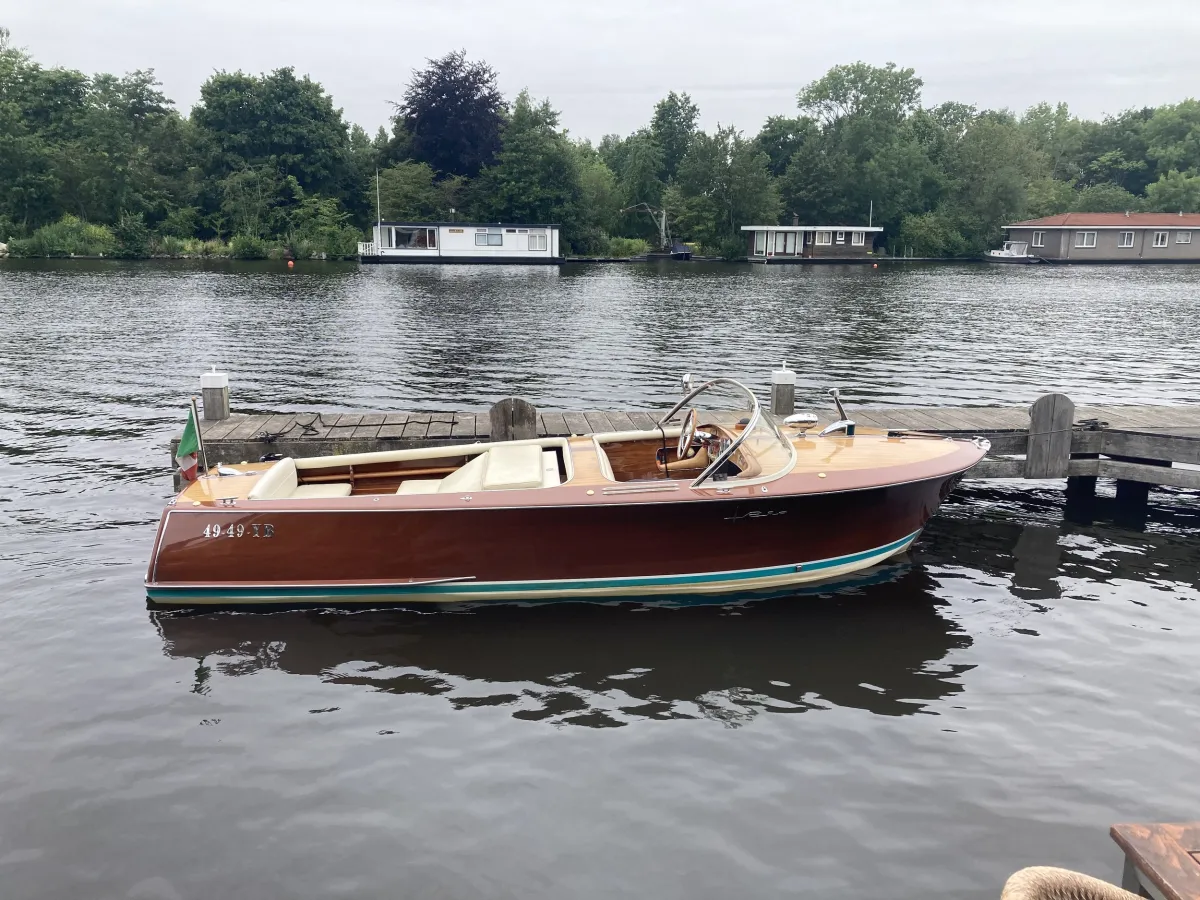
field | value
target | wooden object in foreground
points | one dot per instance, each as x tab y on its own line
514	419
1048	451
1161	861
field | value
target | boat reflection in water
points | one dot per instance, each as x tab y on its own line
875	641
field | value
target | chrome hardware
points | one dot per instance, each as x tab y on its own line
846	425
982	443
686	382
837	401
804	418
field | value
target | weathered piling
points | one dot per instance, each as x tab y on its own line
783	391
513	419
214	391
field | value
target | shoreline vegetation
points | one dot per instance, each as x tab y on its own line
265	166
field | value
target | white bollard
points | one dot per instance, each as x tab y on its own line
214	388
783	391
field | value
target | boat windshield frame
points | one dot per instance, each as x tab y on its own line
756	419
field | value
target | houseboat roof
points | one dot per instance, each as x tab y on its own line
810	228
1113	220
469	224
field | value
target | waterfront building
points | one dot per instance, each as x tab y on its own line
796	243
1112	237
461	242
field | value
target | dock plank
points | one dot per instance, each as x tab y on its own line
642	421
440	427
417	426
554	424
464	426
576	423
374	419
367	432
349	419
621	422
249	427
598	421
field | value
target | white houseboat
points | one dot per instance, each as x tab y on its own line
462	242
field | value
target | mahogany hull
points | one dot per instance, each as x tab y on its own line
643	545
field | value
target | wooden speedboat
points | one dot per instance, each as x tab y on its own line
710	503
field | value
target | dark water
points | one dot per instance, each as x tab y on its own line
996	700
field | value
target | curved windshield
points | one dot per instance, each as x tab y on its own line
742	440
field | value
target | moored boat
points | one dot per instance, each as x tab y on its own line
1012	252
726	501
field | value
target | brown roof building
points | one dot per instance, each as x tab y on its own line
1112	237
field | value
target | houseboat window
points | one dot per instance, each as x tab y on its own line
1183	237
411	238
386	237
790	245
432	239
511	230
493	237
1039	239
841	237
481	239
858	239
780	241
537	242
1126	239
760	243
825	238
1160	238
1085	239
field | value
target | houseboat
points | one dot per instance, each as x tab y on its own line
462	242
1111	237
809	243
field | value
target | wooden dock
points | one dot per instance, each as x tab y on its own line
1140	446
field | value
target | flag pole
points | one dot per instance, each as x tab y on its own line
199	436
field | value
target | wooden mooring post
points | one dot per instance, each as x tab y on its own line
513	419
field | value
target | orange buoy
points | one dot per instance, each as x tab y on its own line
291	263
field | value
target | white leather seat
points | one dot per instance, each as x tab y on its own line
513	468
277	483
466	478
550	469
321	491
419	486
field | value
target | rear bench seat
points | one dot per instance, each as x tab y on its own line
280	483
503	468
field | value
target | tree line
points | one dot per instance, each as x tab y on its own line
267	164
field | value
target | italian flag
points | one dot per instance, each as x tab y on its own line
188	454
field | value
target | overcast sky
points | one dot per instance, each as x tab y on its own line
604	64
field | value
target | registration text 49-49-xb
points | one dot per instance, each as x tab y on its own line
254	530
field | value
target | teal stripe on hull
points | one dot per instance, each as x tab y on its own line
460	588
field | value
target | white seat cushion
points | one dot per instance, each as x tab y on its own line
277	483
419	486
321	491
550	469
466	478
513	468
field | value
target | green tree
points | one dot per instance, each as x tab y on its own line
411	192
781	137
723	183
1173	137
279	121
453	115
536	177
672	128
1174	192
1105	197
1058	136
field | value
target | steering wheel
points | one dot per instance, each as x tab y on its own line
686	434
